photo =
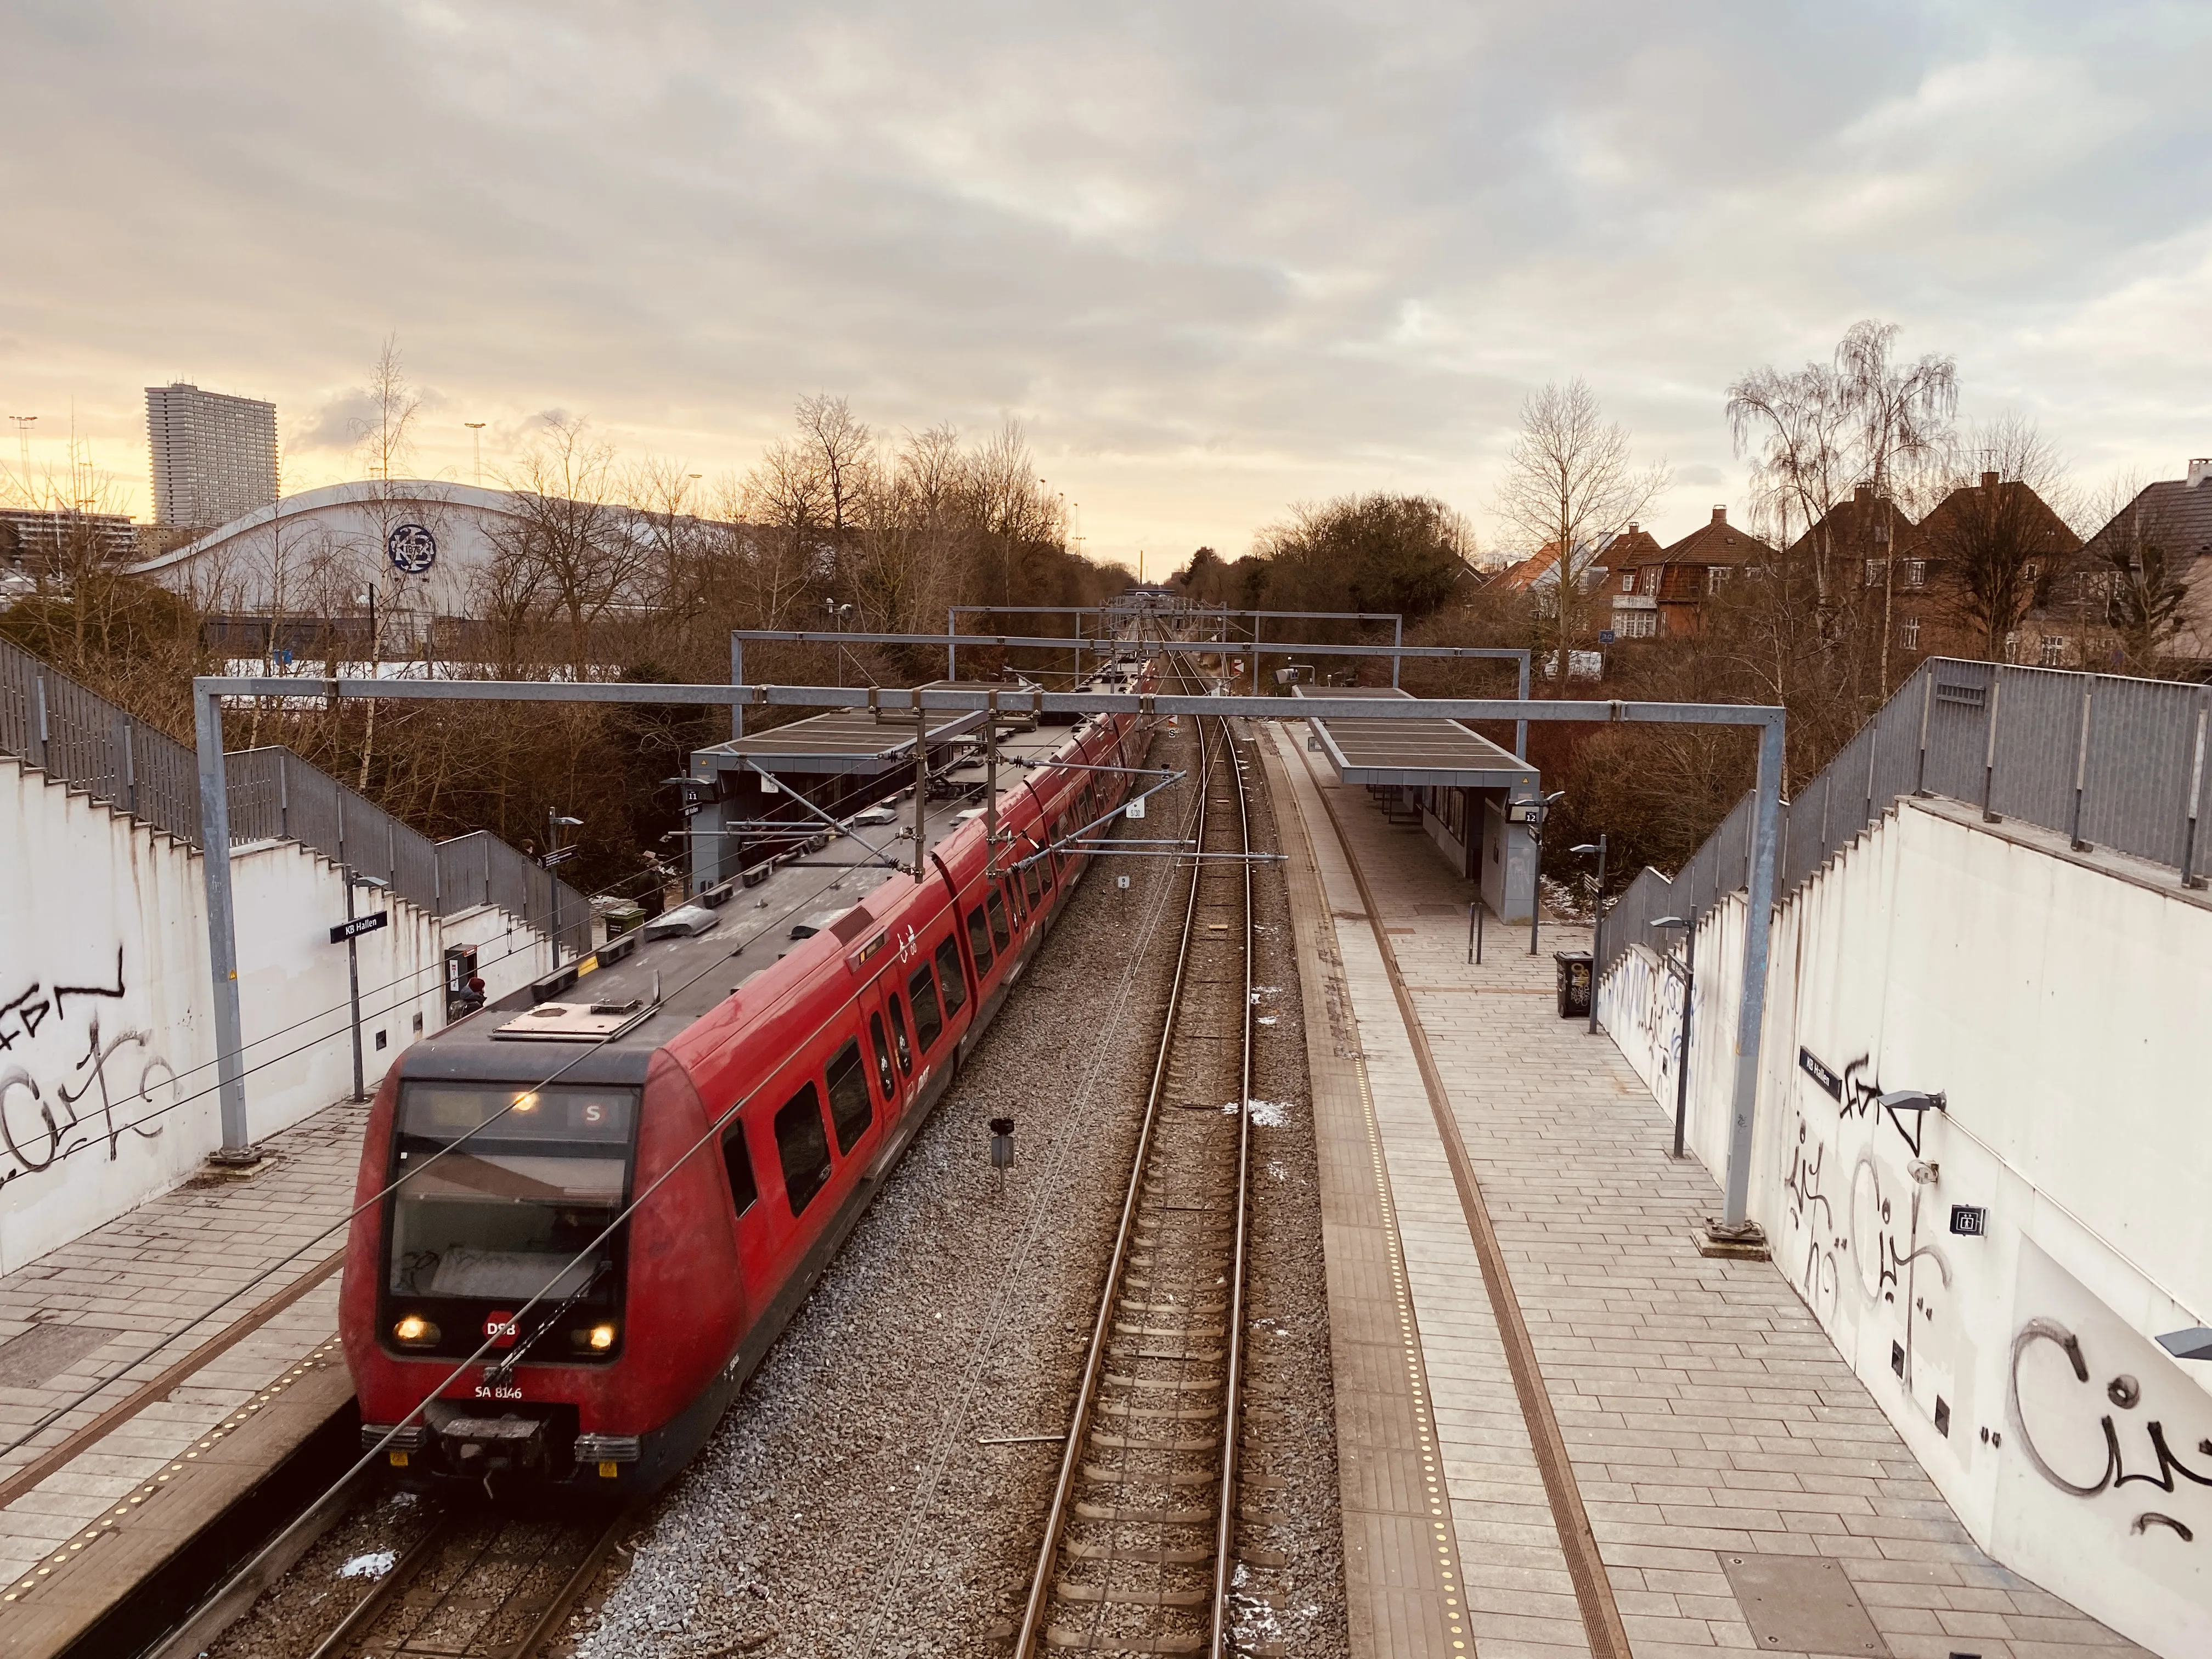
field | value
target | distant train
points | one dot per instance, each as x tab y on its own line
515	1137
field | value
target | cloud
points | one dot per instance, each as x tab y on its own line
1217	258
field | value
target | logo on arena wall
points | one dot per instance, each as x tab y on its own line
412	548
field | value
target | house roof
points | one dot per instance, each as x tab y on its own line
1717	542
1929	535
2180	509
1853	526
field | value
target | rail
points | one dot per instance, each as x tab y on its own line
2107	761
1194	1238
72	733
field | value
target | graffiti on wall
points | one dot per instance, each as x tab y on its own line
1861	1233
70	1079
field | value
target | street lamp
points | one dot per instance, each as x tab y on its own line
1597	924
837	614
1533	815
1686	972
557	854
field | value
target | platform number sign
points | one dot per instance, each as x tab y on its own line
1969	1220
411	548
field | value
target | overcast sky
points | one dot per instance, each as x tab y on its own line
1217	258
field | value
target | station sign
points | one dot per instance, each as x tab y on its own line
1970	1220
358	926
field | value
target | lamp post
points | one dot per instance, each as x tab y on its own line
1536	823
555	854
837	614
1597	925
349	932
1686	972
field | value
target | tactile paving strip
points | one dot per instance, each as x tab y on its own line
116	1518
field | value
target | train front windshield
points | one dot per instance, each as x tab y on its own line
515	1208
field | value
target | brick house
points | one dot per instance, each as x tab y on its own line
1661	592
2177	514
1928	593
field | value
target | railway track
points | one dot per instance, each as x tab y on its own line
1139	1552
480	1585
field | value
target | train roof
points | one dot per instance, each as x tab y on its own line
654	988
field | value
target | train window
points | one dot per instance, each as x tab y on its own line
979	939
1030	884
899	1035
739	1162
802	1148
882	1057
929	1017
849	1095
950	984
998	928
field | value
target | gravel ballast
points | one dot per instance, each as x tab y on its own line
879	1487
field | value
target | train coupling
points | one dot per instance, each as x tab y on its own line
481	1446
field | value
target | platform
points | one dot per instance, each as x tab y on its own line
1638	1451
166	1406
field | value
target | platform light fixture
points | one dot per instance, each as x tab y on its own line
2195	1343
1914	1100
1597	922
1686	971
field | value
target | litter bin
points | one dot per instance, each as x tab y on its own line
625	917
1574	983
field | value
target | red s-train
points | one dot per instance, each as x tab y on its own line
837	1049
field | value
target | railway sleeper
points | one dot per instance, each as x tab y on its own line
1163	1558
1175	1414
1196	1385
1083	1641
1129	1329
1099	1476
1195	1354
1131	1598
1130	1443
1114	1512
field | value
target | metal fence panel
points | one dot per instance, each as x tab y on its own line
2142	744
2038	735
2134	777
74	734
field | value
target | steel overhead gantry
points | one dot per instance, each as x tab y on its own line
1104	646
1396	619
207	693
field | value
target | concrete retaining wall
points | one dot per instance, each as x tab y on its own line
2062	1004
107	1090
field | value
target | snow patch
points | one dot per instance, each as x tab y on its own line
374	1564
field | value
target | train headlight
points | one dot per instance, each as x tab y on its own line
413	1331
598	1339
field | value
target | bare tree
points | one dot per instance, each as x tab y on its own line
1903	414
1570	487
2002	544
843	450
1797	425
2144	582
570	541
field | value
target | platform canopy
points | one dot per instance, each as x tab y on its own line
853	741
1414	753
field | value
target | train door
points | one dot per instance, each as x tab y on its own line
754	1229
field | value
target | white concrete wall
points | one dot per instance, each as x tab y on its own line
2063	1010
106	1076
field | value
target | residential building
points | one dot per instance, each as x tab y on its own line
1662	593
1929	592
1538	573
214	456
2171	521
34	540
